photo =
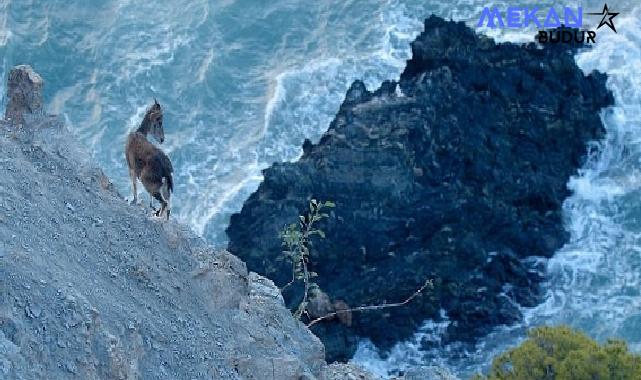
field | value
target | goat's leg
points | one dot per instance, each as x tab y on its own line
132	175
151	202
166	194
162	204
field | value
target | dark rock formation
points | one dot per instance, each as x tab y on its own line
24	91
459	177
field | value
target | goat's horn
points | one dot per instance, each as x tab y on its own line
155	101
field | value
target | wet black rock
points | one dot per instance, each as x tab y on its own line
456	173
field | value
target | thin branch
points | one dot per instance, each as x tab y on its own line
297	239
293	278
304	250
303	304
374	307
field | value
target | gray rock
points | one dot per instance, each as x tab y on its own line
428	373
128	298
341	371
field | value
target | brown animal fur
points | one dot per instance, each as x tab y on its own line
148	163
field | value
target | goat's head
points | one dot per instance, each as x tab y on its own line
154	115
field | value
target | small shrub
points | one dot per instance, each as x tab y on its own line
297	240
560	353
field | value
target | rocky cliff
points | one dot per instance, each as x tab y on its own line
456	173
93	288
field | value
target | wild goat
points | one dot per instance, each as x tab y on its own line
148	163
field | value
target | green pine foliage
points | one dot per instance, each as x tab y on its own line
560	353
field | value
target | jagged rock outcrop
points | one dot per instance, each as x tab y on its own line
456	173
93	288
24	92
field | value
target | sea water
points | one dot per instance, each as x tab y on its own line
244	82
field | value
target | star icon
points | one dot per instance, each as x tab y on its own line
607	18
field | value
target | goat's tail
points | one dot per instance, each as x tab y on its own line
169	182
167	172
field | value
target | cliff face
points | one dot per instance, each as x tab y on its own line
93	288
456	173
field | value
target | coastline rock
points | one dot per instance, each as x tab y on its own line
456	173
429	372
24	91
340	371
93	288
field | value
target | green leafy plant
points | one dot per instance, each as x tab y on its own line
297	241
560	353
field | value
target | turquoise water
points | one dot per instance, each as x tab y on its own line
243	83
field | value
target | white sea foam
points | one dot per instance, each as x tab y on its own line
403	355
5	32
227	119
296	89
204	66
596	272
301	100
593	280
